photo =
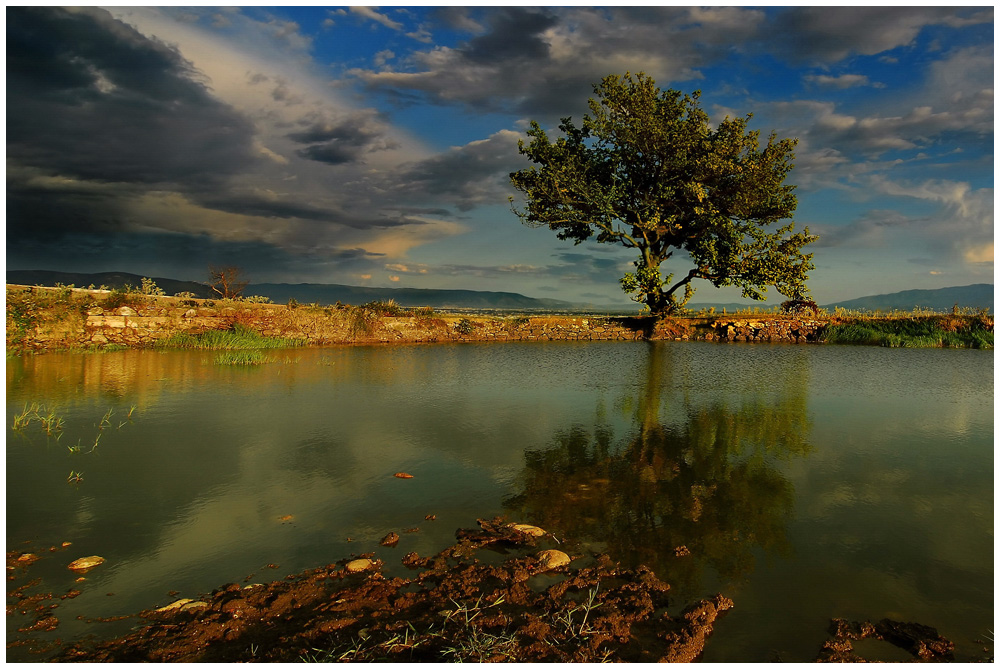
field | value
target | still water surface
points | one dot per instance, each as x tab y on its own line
807	482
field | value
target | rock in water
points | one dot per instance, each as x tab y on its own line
552	559
361	564
403	475
85	564
390	540
528	529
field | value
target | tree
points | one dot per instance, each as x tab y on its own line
647	171
227	281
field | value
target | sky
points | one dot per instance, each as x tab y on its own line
372	146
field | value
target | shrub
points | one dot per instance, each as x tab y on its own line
465	326
149	287
385	308
126	296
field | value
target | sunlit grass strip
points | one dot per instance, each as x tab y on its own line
238	339
242	358
908	333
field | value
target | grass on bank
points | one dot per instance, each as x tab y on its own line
922	332
239	338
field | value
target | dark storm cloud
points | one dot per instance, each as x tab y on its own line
342	141
538	62
184	256
830	34
544	63
469	175
514	35
89	97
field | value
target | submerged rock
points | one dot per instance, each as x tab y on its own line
359	565
552	559
390	540
528	529
85	564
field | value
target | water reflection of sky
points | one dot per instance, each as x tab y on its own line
808	482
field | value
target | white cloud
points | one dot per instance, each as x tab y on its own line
372	15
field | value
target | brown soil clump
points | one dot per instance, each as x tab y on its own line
921	641
454	608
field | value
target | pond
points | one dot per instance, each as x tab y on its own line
803	482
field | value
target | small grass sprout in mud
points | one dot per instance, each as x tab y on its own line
74	477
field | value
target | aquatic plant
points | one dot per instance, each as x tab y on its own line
247	358
74	477
51	423
24	419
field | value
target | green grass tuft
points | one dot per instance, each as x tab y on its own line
910	333
244	358
240	338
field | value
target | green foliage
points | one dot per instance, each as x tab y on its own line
915	332
465	326
385	308
647	171
243	358
126	296
22	316
149	287
238	338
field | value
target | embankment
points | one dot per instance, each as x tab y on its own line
41	319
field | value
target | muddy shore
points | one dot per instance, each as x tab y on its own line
501	593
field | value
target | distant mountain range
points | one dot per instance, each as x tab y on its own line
306	293
978	295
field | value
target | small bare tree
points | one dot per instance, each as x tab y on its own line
227	281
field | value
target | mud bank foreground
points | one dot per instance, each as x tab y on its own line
503	592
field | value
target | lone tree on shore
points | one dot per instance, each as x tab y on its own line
228	281
648	172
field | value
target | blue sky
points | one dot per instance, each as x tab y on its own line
371	146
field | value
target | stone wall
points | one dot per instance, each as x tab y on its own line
85	323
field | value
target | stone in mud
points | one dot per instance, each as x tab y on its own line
390	540
359	565
182	605
530	530
552	559
85	564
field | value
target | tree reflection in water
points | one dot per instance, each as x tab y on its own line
704	480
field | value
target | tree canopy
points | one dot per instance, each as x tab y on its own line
647	171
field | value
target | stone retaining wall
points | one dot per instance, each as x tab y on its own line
155	319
